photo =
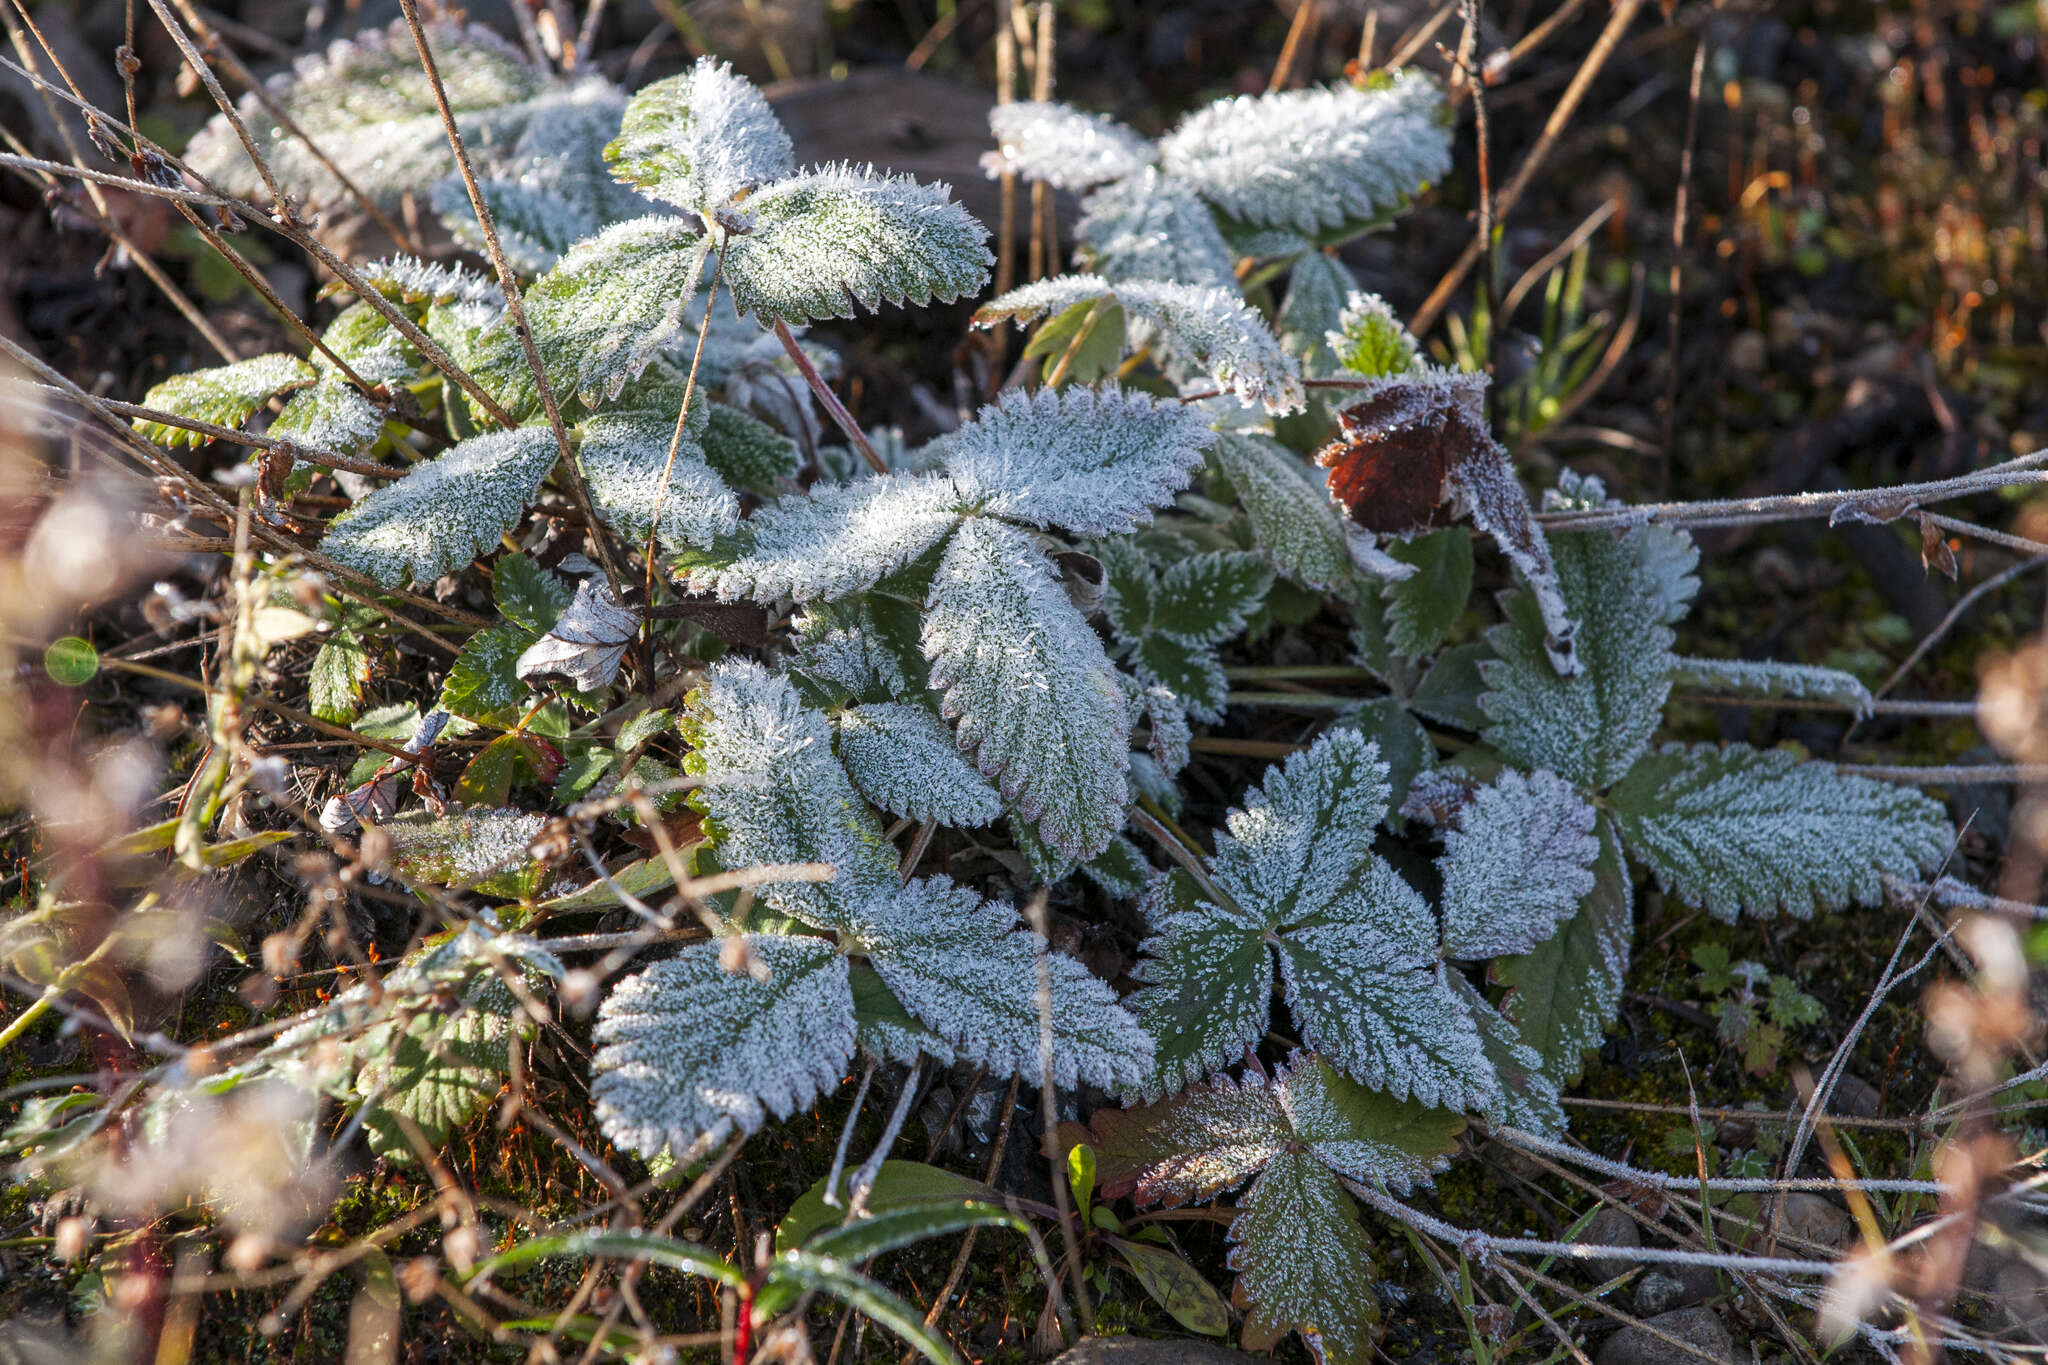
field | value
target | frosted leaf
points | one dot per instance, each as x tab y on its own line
586	642
1150	228
903	759
1566	992
447	511
821	242
1526	1099
1317	288
331	415
408	279
623	457
843	647
1093	461
1062	146
1210	328
1206	599
484	847
1371	340
689	1054
1208	985
960	965
1292	517
1304	1264
1314	159
887	1031
1026	680
1167	715
774	793
746	451
1738	829
367	104
1517	861
1213	1137
1589	729
700	138
838	540
1769	678
226	396
1303	840
1486	490
599	317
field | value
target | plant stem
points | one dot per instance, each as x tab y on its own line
837	409
47	1001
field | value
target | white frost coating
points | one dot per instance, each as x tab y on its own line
1150	228
844	647
1301	1259
464	846
1062	146
1292	516
688	1054
1517	860
1370	339
1208	598
1317	287
1211	328
1769	678
226	396
903	759
332	415
586	642
1737	829
1026	680
623	457
1303	839
1314	159
1527	1098
821	242
1093	461
774	793
839	540
408	279
699	138
958	963
447	511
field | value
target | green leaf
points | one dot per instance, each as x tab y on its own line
487	778
699	139
527	595
903	758
1191	672
747	452
1303	1263
484	849
1092	330
821	242
334	687
802	1271
643	878
1528	1098
1564	994
1449	693
1404	745
633	1245
1205	599
483	683
227	396
1769	678
441	1070
624	457
1422	608
1176	1286
1738	829
1318	287
1081	1177
899	1184
331	415
1292	516
901	1225
447	511
884	1028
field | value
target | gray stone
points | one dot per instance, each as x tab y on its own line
1140	1351
1697	1327
1659	1293
1611	1228
1816	1219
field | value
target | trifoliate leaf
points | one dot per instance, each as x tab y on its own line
1566	992
1206	599
838	540
1147	227
1528	1098
746	451
1736	829
1769	678
689	1054
1028	684
823	241
227	396
485	679
1314	159
773	792
606	309
1303	1263
334	686
1062	146
903	759
699	139
1588	729
447	511
527	595
624	457
1370	339
1093	461
1290	510
958	963
1517	861
1422	608
331	415
1317	289
1212	329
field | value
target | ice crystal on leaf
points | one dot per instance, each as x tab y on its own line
1291	515
1517	860
960	965
1770	678
903	759
1091	461
1371	340
838	540
624	458
1209	328
1029	686
1737	829
1563	995
821	242
1150	228
447	511
699	139
1314	159
1527	1098
1302	1261
1062	146
689	1054
484	848
226	396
